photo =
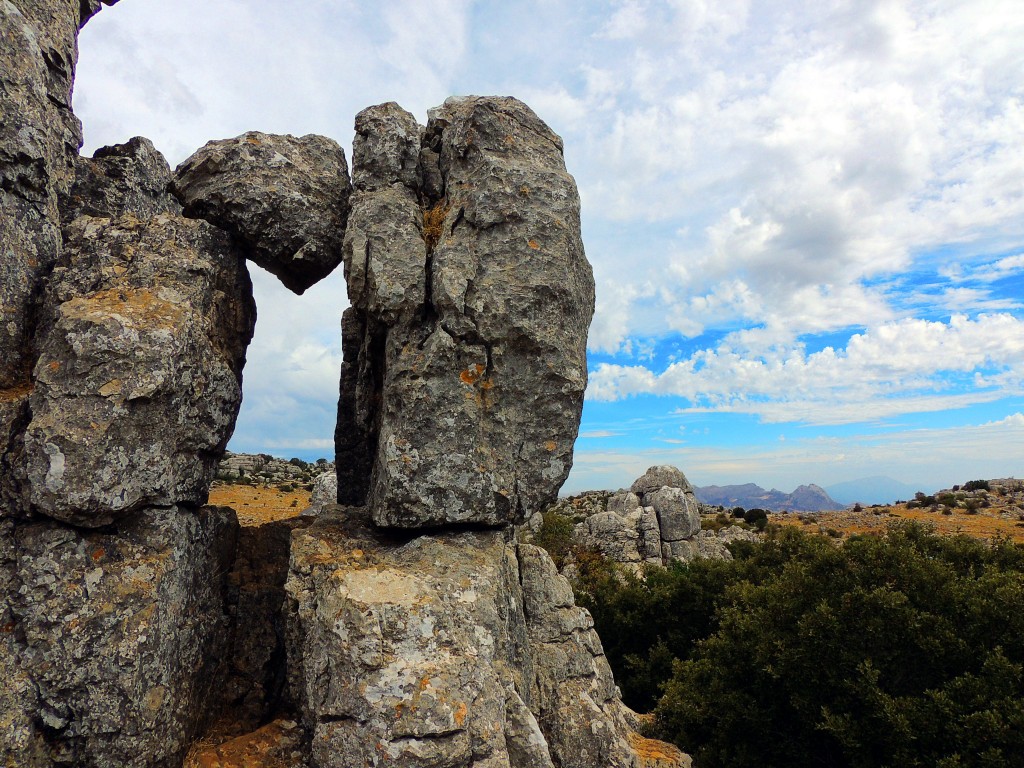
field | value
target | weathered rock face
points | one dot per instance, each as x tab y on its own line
284	198
124	178
111	643
138	381
465	360
656	522
660	476
254	686
451	649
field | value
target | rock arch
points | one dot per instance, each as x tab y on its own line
127	312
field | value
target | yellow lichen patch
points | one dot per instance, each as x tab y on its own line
54	366
524	190
13	394
551	445
460	713
472	374
141	306
112	387
533	244
433	223
252	140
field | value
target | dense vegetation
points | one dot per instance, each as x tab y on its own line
900	650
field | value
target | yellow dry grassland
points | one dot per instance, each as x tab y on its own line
987	523
258	504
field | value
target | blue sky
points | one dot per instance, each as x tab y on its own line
806	219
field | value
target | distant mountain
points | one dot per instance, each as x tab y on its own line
806	498
872	490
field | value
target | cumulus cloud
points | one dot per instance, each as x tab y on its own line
897	367
752	176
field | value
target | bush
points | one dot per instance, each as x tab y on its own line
555	535
900	650
757	518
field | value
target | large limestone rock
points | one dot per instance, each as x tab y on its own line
464	363
111	643
138	381
451	649
386	271
39	139
124	178
285	199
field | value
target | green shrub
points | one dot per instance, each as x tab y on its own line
555	535
976	485
898	650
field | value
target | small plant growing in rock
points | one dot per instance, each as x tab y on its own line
555	535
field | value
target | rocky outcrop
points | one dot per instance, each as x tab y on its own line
465	362
132	617
270	470
284	199
39	141
138	381
654	523
448	649
111	642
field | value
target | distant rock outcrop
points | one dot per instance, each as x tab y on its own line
806	498
656	522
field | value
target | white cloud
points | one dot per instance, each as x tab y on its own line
903	366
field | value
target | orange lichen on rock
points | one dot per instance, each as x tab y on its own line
472	374
657	754
142	306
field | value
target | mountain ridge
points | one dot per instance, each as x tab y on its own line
805	498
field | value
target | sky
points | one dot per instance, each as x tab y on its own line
806	219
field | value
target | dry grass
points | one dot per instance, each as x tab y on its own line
257	504
433	224
986	523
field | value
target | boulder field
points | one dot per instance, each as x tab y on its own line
404	626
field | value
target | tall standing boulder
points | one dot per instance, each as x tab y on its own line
386	271
473	391
284	199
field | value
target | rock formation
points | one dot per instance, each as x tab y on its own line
449	649
471	298
656	522
285	199
133	619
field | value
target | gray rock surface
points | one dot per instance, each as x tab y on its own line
465	352
285	199
110	643
386	271
452	649
124	178
325	490
660	476
678	512
138	381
